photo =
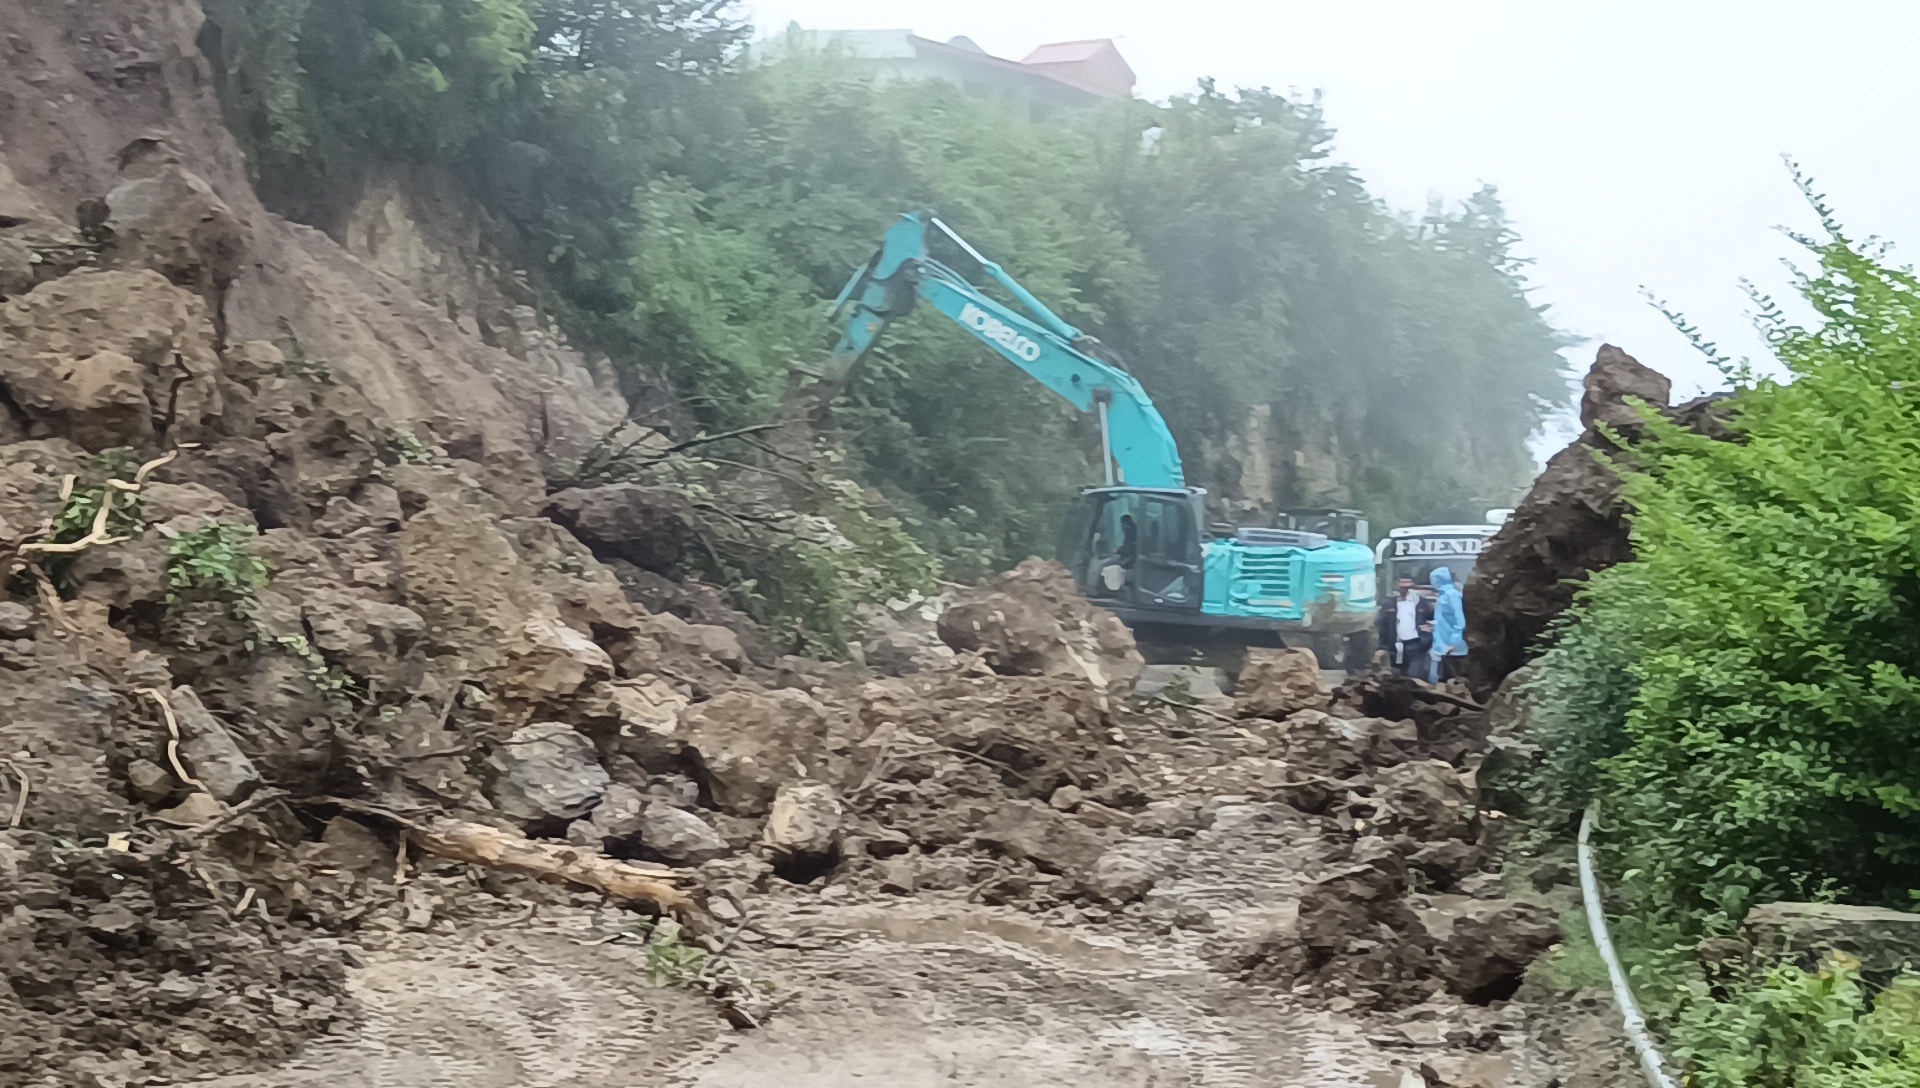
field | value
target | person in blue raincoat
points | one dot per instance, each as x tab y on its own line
1449	650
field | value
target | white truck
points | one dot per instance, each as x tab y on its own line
1413	551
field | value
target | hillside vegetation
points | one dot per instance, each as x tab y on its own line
1742	696
688	212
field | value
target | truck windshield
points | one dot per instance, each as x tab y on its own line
1421	570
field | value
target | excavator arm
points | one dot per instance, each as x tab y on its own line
1139	449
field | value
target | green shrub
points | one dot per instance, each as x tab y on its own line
1751	683
216	563
1799	1030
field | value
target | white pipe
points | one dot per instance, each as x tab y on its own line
1630	1018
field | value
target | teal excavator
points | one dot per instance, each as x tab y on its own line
1140	545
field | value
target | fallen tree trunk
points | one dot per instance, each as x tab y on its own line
496	849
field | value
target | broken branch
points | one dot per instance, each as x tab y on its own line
478	844
173	738
96	535
26	788
258	800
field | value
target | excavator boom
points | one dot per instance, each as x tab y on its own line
1139	449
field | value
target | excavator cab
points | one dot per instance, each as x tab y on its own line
1334	523
1137	548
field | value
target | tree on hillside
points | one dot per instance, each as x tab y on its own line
689	215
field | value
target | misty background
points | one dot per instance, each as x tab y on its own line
1636	144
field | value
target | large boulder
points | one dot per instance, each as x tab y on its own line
546	771
1425	799
900	641
95	356
1325	744
748	744
1884	941
649	527
1032	621
1354	937
1276	683
1571	524
1486	945
163	216
481	602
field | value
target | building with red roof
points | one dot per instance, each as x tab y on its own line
1054	76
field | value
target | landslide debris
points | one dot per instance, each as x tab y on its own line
1032	621
1572	521
297	652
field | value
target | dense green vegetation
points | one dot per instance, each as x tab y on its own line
688	212
1743	696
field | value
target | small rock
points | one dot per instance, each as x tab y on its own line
1445	861
546	771
16	620
197	809
1118	878
942	872
353	845
618	817
1552	875
1172	819
1480	885
1179	913
805	821
1717	951
150	783
1052	841
887	842
1177	681
1066	798
209	750
679	837
674	789
898	876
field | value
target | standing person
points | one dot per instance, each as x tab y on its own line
1405	619
1449	649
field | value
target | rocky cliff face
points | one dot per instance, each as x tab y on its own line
115	103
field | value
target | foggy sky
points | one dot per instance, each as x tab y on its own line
1635	143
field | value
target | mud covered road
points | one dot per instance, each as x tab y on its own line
924	991
930	996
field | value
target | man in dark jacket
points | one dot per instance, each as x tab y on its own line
1406	620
